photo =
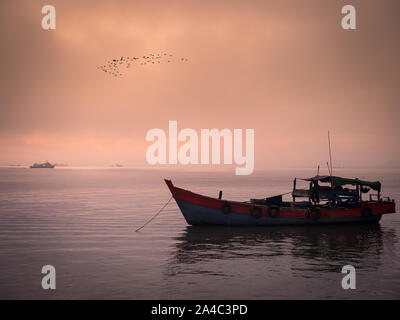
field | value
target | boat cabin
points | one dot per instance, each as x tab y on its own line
335	190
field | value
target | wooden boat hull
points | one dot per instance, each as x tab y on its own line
203	210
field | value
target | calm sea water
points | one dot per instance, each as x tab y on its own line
82	221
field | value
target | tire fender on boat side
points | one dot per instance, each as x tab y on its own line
366	212
256	212
226	208
274	211
314	214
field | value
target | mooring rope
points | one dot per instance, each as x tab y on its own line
154	215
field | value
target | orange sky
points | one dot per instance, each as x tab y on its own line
285	68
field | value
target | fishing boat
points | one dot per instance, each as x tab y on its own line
327	200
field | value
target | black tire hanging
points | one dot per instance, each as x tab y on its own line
256	212
226	208
274	211
366	212
314	216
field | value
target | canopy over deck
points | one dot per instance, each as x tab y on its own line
339	181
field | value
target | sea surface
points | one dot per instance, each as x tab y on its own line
83	220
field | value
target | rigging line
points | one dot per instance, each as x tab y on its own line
155	215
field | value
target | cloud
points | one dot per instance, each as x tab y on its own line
289	71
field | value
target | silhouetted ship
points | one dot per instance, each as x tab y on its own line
117	165
42	165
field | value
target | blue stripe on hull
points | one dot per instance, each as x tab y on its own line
195	215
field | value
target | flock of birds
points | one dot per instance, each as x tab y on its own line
115	67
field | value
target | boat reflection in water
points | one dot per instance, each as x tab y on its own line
277	262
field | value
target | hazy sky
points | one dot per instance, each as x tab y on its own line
285	68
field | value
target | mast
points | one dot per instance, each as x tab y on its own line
329	170
330	159
330	154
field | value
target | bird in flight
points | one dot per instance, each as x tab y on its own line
115	66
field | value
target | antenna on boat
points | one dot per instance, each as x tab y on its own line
330	154
329	169
330	158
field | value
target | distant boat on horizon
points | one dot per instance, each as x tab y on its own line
42	165
117	165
